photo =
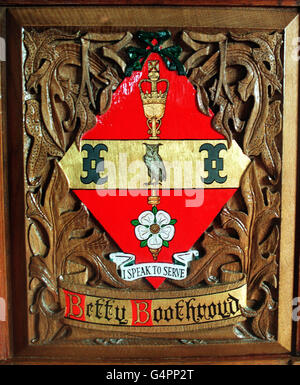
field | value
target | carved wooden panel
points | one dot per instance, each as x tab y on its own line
69	75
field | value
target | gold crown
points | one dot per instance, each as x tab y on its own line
154	102
154	97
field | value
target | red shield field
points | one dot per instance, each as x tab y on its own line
190	209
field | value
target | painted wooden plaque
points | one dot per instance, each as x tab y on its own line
155	208
140	172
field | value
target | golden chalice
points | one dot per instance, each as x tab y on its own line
154	102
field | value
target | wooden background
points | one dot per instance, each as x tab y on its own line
6	352
230	3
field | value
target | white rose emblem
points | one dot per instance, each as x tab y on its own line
154	228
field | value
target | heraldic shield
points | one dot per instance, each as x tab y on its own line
154	174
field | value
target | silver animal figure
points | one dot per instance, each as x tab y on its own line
156	168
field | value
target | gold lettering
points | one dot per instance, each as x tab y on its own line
139	311
73	305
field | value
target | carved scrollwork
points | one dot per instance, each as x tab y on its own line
67	82
71	77
249	110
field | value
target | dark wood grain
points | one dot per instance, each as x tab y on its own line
151	17
16	183
267	359
4	323
5	351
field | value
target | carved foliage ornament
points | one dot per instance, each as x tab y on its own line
74	83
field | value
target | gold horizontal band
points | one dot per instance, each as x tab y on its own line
122	164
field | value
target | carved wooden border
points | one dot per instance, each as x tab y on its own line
20	18
289	173
231	3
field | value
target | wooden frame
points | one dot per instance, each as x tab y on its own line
15	344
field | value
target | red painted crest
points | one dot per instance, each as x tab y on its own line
182	214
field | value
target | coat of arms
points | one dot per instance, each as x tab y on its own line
153	174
